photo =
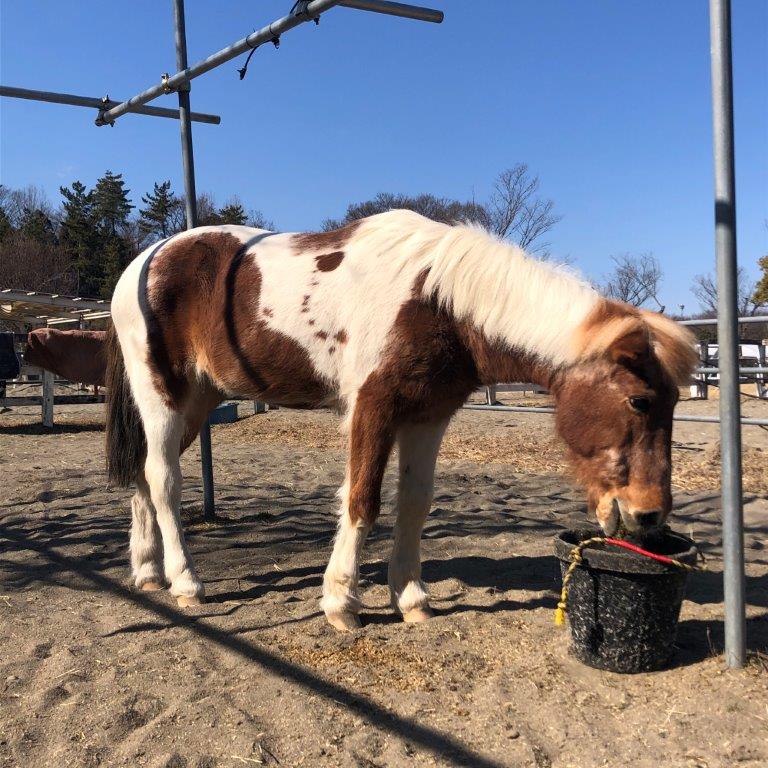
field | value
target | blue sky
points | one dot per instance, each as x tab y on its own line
607	101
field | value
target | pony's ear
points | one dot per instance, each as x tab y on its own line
631	348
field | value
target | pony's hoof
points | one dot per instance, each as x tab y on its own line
344	622
417	615
151	586
187	601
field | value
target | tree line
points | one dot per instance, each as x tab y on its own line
82	247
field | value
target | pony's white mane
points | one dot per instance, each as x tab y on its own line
512	297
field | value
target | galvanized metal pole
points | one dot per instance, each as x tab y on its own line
54	97
301	14
727	332
185	73
188	161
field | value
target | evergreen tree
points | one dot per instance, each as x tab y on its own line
79	237
232	213
161	212
111	205
114	259
6	228
37	226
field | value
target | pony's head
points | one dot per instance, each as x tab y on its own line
614	412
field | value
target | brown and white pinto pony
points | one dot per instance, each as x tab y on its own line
394	320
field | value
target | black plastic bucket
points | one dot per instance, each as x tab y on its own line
623	607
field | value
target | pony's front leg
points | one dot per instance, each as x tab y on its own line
371	439
418	446
146	547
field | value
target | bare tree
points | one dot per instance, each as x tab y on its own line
18	203
30	265
516	212
704	288
635	279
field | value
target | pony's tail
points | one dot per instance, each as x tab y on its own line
126	441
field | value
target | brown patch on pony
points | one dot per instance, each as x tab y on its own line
431	364
674	345
267	312
204	292
629	335
305	303
334	240
329	261
341	336
310	322
331	350
322	335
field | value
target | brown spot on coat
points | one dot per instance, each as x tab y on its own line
331	350
329	261
322	335
204	295
334	240
267	312
341	336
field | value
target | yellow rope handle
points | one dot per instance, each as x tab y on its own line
576	560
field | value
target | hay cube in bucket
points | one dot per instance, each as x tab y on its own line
623	608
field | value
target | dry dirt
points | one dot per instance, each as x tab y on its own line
93	673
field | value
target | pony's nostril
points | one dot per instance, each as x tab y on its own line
648	519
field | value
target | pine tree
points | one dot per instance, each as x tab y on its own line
6	228
232	213
114	259
36	225
111	205
161	214
79	237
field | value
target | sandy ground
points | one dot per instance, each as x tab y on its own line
93	673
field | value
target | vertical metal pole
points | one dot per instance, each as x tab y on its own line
188	161
727	332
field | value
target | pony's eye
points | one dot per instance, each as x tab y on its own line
640	404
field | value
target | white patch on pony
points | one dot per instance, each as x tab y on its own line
512	297
343	572
418	446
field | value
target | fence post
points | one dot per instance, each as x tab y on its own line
700	388
762	389
48	384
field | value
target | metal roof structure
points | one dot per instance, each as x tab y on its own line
24	307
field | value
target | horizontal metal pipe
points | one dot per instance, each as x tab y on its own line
254	40
533	409
713	320
757	369
100	104
396	9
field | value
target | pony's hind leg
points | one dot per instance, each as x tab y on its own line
418	446
165	429
371	439
146	546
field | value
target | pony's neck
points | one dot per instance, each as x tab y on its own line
496	362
